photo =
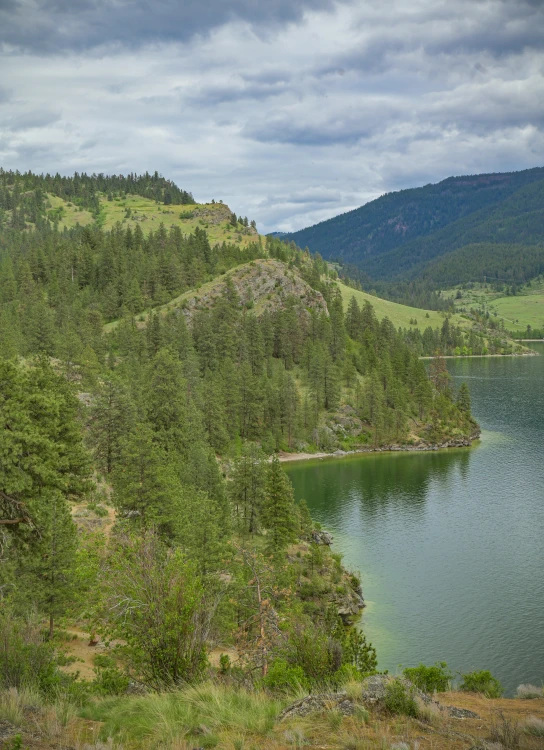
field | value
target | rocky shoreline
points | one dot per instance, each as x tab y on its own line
464	442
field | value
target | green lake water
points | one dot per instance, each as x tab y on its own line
450	544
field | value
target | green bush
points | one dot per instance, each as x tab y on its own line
481	682
27	659
109	681
430	679
400	698
359	653
284	677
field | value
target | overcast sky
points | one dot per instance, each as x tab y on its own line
291	111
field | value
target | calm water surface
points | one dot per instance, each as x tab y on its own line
451	544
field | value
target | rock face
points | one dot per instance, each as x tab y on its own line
322	537
320	702
262	285
373	692
218	213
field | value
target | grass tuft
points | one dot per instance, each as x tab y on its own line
534	727
527	692
201	711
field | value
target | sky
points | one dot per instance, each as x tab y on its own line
290	111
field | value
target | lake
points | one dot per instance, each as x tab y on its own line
450	544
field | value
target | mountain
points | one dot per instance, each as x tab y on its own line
490	224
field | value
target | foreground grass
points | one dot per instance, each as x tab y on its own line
213	715
205	711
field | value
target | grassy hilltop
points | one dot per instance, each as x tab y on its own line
133	211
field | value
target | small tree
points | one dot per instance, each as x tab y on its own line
463	398
155	603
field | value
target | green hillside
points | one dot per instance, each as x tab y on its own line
401	316
525	308
399	235
133	211
144	201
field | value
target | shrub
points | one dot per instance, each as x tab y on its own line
529	691
359	653
109	680
285	678
26	658
224	663
430	679
481	682
534	727
400	699
156	604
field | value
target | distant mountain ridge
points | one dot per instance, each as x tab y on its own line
411	233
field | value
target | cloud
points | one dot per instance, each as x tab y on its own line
29	120
47	26
289	112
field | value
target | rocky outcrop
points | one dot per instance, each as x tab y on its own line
322	537
262	285
317	703
374	690
373	693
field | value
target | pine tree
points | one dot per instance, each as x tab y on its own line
111	418
146	487
247	488
463	398
48	572
279	511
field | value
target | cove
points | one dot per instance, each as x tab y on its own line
450	544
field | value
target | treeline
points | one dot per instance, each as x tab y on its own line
511	264
83	190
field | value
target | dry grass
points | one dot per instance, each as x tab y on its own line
506	731
430	713
212	715
534	726
529	692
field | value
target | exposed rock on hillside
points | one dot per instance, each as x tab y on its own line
261	285
217	213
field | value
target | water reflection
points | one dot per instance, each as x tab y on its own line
450	543
379	483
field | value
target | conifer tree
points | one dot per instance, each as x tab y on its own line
111	419
279	511
247	488
463	398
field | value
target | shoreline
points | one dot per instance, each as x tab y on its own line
285	457
486	356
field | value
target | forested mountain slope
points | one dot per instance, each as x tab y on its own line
398	235
168	424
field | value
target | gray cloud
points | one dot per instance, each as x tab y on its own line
29	120
46	26
290	113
